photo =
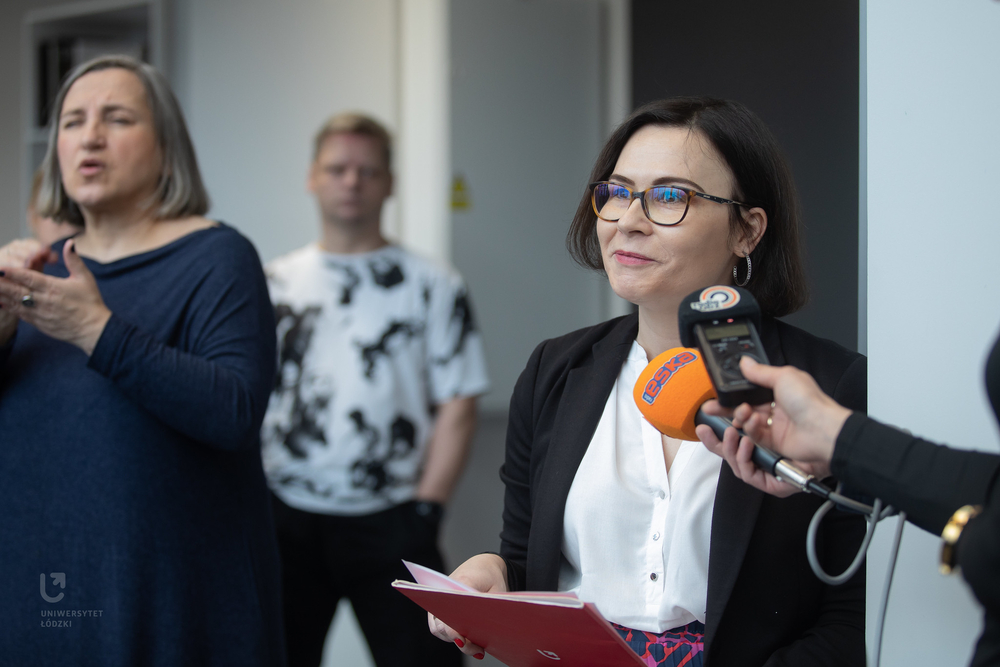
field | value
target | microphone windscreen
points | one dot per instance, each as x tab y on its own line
671	389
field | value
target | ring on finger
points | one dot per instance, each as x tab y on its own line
28	301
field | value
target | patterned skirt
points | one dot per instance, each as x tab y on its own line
680	647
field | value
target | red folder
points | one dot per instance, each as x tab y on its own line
528	629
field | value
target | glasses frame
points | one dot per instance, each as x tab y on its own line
641	196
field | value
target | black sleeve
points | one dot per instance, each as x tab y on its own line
925	480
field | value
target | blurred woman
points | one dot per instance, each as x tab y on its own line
686	562
134	373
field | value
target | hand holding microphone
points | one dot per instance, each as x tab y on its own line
676	393
804	424
670	394
722	321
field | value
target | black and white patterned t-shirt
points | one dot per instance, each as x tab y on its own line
368	343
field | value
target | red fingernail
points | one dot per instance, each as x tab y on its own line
459	643
479	656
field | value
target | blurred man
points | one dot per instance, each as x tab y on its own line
373	410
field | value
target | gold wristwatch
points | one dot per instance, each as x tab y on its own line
952	531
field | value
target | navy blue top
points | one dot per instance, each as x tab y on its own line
134	519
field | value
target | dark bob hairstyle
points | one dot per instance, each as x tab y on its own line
761	179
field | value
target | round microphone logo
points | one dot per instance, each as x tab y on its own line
717	297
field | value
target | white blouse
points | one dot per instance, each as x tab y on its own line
635	537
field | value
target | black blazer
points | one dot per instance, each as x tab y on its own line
765	606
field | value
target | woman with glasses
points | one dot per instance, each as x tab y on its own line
136	360
688	563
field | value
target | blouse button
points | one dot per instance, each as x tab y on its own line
656	536
652	576
661	495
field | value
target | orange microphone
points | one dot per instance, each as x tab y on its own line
670	392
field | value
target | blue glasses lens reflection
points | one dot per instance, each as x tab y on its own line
666	196
611	200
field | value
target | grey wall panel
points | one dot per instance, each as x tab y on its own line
526	113
796	65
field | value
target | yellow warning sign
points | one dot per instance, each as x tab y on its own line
459	194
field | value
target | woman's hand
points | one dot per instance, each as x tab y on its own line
69	309
486	573
803	426
737	452
20	254
26	254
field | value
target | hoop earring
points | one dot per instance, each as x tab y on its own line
749	270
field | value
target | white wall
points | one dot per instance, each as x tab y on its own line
257	79
424	171
14	184
933	293
11	198
528	109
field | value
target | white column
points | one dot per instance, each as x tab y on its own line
933	294
423	166
618	100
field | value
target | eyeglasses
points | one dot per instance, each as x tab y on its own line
664	205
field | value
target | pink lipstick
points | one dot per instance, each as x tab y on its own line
631	258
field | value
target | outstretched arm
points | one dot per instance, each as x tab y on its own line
802	426
924	479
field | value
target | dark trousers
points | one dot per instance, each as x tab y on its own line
325	558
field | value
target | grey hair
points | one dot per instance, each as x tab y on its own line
179	192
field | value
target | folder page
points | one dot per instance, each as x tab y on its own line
523	629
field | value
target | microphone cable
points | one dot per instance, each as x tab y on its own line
880	621
873	514
776	465
871	518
